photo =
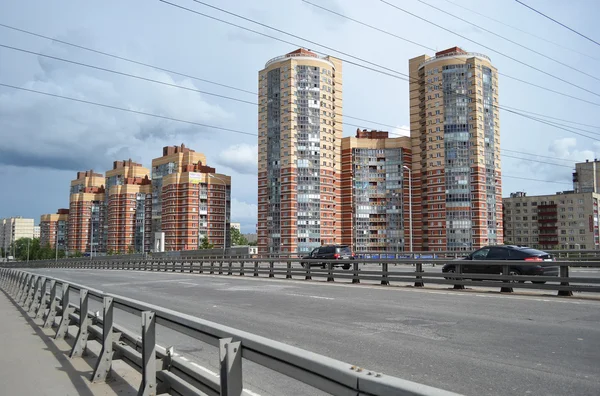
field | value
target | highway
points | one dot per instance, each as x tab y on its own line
467	342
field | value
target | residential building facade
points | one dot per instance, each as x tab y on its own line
172	161
196	204
36	231
86	213
299	153
586	177
375	191
455	141
129	208
14	228
565	220
54	229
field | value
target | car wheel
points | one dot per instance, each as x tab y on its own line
515	273
303	265
450	271
538	282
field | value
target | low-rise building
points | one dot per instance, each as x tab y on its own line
565	220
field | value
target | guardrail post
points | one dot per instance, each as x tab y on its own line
242	267
63	326
330	272
37	294
506	272
14	284
355	278
84	321
43	300
52	309
256	268
106	354
229	267
31	289
288	271
419	280
307	268
230	354
458	270
384	274
221	267
564	273
148	385
22	288
192	266
271	268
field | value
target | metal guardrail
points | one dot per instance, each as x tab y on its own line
360	269
164	372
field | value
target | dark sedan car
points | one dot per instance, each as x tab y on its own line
527	261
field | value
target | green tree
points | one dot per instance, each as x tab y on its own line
77	253
130	249
255	243
205	244
237	239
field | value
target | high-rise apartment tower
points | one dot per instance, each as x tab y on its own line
299	153
455	139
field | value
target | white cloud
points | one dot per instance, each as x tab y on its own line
54	133
243	158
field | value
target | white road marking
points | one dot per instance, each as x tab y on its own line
304	295
188	283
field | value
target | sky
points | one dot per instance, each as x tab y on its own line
45	140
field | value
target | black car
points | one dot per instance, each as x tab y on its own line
528	261
328	252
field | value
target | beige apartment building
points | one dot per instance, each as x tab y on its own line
128	208
190	201
565	220
173	159
14	228
86	213
375	192
299	153
455	141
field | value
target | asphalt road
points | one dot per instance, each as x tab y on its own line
470	343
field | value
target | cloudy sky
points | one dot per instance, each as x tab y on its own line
45	140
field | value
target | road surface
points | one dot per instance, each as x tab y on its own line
470	343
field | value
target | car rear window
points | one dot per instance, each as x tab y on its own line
533	252
344	250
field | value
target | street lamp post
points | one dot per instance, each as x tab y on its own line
28	241
410	206
56	245
213	176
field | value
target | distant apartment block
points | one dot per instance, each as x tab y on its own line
375	191
299	153
14	228
196	204
586	177
455	134
565	220
36	231
86	213
54	228
129	208
173	159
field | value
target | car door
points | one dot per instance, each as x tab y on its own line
497	254
478	255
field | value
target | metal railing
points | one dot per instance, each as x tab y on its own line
48	298
361	270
